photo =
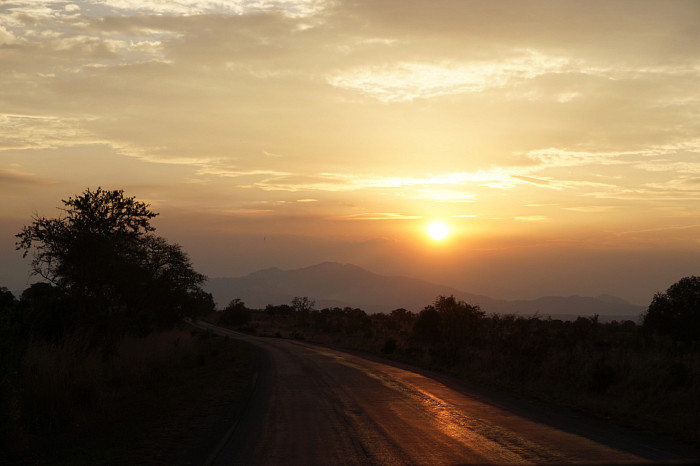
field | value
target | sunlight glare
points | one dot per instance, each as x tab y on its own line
438	231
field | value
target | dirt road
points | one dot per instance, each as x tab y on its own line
313	405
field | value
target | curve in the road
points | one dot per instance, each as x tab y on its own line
315	405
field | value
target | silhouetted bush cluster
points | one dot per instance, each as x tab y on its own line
236	313
676	313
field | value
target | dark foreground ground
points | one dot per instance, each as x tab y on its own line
177	416
251	400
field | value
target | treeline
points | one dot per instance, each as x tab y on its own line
641	375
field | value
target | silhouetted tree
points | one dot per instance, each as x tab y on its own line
11	350
402	317
447	326
7	299
9	325
101	253
46	312
357	322
282	309
302	307
427	327
389	346
459	321
236	313
676	312
303	304
74	251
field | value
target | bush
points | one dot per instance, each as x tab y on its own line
236	313
389	346
676	313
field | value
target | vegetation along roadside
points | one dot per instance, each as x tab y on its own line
645	376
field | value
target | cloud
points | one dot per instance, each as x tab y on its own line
296	8
407	81
533	218
533	180
22	132
683	185
17	177
591	208
481	177
556	157
379	216
6	37
212	169
664	228
249	212
580	30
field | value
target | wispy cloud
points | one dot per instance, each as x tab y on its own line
13	176
591	208
42	131
51	8
379	216
211	168
646	157
406	81
533	218
662	229
249	212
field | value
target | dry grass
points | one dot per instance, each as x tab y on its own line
151	397
67	384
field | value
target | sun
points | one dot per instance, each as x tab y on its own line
438	231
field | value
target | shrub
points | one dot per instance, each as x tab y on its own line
676	312
236	313
389	346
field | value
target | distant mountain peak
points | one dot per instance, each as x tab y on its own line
334	284
606	298
328	265
268	272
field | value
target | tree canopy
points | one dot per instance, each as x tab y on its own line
449	324
102	253
676	312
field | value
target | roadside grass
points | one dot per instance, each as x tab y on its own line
163	399
647	389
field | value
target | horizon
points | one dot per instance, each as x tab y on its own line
512	150
317	265
458	290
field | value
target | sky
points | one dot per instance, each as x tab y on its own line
558	141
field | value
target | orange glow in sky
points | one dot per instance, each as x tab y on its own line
563	136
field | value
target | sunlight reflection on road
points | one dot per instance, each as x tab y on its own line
477	434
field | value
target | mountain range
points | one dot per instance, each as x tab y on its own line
331	284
